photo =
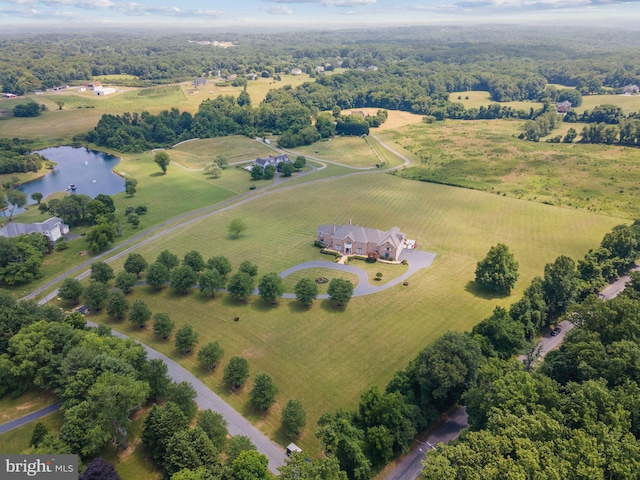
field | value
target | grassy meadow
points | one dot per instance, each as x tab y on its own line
12	408
628	103
479	98
326	356
485	155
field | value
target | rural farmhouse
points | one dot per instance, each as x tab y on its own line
357	240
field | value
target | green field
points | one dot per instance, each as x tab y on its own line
350	151
326	357
628	103
196	154
485	155
12	408
479	98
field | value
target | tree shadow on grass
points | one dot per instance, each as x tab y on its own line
328	306
476	290
157	174
297	307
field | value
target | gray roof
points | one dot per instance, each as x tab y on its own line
363	234
270	160
14	229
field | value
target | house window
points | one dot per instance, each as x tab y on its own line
358	250
388	249
338	247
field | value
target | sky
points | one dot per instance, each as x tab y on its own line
316	13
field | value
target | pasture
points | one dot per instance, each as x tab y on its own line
628	103
479	98
196	154
326	356
486	155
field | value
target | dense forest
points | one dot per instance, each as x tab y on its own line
513	64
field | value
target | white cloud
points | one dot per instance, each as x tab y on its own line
277	10
348	3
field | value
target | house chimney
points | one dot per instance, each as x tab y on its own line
349	221
334	228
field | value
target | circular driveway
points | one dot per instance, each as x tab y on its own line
417	261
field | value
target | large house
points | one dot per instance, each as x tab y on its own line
275	161
631	89
53	229
357	240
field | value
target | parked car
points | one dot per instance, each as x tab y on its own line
555	331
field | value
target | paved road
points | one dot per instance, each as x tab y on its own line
411	465
38	414
206	399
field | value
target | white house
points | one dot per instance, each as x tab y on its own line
270	160
53	229
296	71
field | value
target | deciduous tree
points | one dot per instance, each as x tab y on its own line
210	282
140	313
271	287
168	259
135	263
117	305
186	339
209	355
240	286
95	295
70	290
221	264
340	291
236	227
236	372
306	291
263	393
498	271
194	260
157	275
215	426
163	160
294	418
183	278
101	272
125	281
163	325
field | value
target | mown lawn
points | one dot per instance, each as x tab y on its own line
486	155
628	103
196	154
350	151
17	441
326	356
479	98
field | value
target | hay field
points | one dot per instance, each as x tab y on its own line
479	98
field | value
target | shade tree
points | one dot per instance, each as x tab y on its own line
95	295
236	372
186	339
183	278
163	160
117	305
101	272
498	271
194	260
135	263
221	264
70	290
162	325
263	393
340	291
306	291
270	287
168	259
139	313
294	418
125	281
209	355
236	227
240	286
210	281
157	275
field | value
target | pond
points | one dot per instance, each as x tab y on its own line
88	171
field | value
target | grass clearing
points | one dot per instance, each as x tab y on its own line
324	356
485	155
197	154
480	98
349	151
17	441
628	103
12	408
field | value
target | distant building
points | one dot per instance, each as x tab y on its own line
372	68
199	82
296	71
103	91
231	77
631	89
93	85
53	229
359	112
563	107
319	69
252	76
270	160
10	95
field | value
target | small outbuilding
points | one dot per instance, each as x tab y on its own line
292	447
